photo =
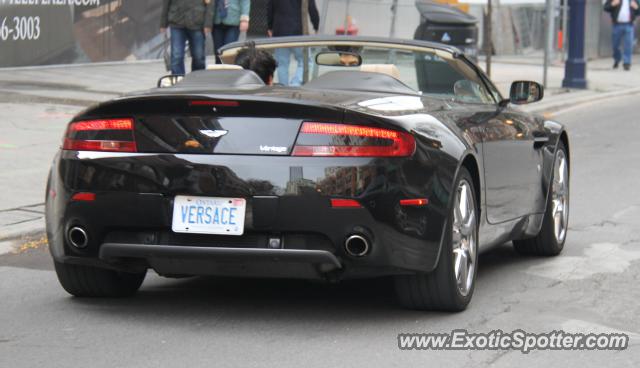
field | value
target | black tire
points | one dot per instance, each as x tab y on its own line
87	281
546	242
439	290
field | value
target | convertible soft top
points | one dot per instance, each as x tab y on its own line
221	79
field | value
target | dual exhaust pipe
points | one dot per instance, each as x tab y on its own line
78	237
357	245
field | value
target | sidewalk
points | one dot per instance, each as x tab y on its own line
603	80
37	103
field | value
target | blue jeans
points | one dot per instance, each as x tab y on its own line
283	57
223	34
623	32
179	39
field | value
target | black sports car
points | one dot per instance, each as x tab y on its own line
393	158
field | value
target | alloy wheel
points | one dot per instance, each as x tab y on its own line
560	196
464	240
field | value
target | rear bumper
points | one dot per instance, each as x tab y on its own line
175	260
129	222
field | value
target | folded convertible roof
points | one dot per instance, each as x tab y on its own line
221	79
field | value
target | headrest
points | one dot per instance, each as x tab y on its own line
388	69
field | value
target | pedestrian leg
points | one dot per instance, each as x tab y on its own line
297	78
627	44
217	34
282	57
616	38
196	46
231	34
178	41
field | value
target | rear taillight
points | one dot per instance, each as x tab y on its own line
328	139
113	135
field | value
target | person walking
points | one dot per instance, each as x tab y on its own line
623	14
230	18
284	18
188	21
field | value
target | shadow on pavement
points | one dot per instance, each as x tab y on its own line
280	299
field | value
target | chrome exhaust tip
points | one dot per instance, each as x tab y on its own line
78	237
356	245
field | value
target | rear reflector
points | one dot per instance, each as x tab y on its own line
328	139
84	196
344	203
112	135
418	202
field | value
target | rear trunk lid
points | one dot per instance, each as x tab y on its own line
200	125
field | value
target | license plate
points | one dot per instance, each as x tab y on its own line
208	215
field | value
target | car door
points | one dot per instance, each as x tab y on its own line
511	142
512	165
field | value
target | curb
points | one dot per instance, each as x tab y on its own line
29	228
12	237
570	102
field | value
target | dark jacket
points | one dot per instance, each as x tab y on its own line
284	17
615	10
191	14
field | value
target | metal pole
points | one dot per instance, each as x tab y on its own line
305	31
346	17
565	31
394	13
488	44
392	31
575	70
323	16
548	40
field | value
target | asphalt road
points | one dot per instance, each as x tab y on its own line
591	287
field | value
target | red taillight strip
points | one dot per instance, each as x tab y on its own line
111	124
417	202
344	129
351	151
344	203
214	103
402	144
76	129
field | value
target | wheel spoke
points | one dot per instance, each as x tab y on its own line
457	262
456	239
557	223
457	216
468	226
463	204
464	272
561	171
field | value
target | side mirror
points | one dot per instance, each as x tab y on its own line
524	92
338	58
169	80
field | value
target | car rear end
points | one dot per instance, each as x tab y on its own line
237	186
